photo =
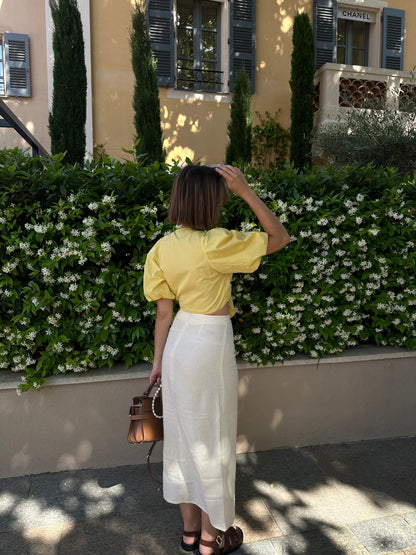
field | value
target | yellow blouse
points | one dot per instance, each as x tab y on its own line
196	267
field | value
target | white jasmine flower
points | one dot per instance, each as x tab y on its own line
40	228
106	247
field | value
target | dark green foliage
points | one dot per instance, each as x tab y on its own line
239	126
301	84
73	242
44	181
146	95
381	137
270	142
69	109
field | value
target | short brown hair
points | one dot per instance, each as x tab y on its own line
198	194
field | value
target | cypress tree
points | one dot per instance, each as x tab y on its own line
69	104
146	103
301	84
239	126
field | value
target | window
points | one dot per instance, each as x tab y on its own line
348	32
14	65
198	63
198	45
352	42
2	84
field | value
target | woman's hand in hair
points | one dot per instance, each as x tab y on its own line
235	180
278	237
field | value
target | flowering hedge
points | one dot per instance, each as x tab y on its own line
74	240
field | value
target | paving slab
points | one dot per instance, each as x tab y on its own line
411	519
366	458
156	534
324	541
255	519
406	482
342	499
264	547
385	535
332	503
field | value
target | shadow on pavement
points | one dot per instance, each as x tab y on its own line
340	499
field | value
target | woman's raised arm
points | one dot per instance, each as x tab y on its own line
237	183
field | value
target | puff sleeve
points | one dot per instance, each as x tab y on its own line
234	251
154	283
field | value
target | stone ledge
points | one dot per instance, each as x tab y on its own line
10	380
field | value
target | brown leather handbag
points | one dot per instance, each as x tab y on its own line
146	421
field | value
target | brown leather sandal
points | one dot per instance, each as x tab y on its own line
225	542
191	546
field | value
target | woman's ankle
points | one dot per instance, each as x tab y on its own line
205	550
209	535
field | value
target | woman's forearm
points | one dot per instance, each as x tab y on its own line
278	236
162	326
163	321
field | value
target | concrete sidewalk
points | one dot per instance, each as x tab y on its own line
337	499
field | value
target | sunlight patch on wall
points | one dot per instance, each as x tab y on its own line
286	24
181	120
180	153
276	420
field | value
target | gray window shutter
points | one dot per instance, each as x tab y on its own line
16	48
325	31
393	39
242	39
160	25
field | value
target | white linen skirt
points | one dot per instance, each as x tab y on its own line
199	378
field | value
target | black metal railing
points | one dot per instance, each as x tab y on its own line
201	77
9	119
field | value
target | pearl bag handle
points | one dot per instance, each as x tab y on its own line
153	402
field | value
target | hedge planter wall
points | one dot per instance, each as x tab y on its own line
73	243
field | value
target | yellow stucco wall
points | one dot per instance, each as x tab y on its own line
112	75
198	128
192	128
28	17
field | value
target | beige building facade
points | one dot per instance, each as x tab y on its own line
199	45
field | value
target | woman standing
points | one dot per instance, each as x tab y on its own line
195	355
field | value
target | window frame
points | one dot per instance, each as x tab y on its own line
16	56
3	69
386	34
238	42
197	59
348	45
